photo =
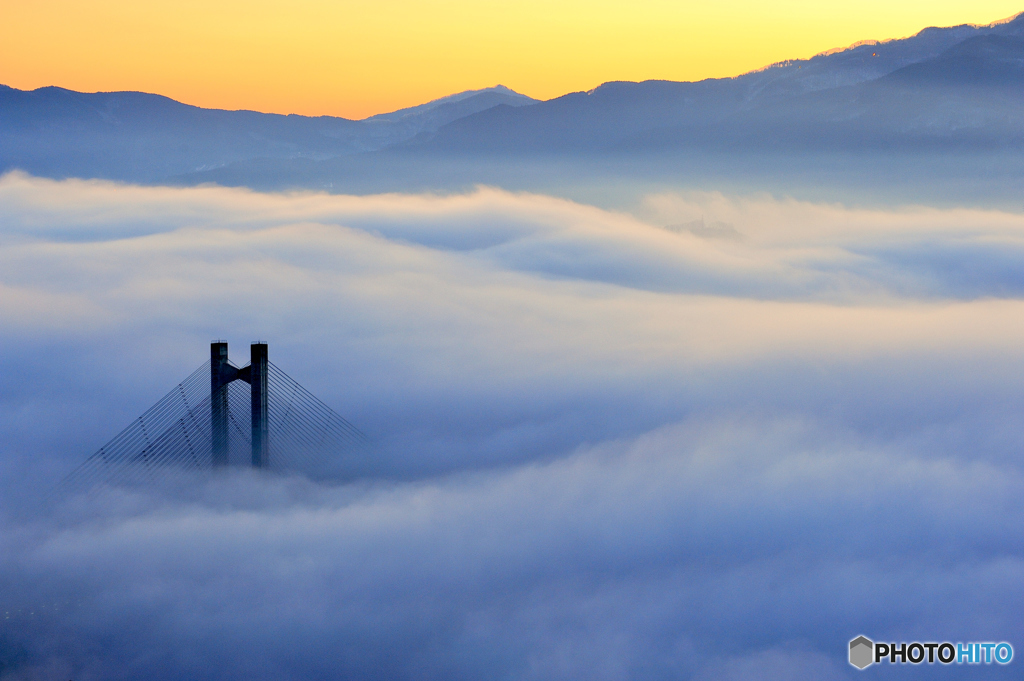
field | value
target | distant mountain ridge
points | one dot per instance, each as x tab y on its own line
868	59
956	87
145	137
873	94
458	105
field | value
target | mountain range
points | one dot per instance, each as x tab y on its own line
943	88
145	137
961	86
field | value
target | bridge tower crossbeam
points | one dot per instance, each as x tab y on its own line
223	373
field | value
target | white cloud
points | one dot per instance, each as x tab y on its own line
605	449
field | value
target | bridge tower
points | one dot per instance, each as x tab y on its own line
219	371
255	374
260	420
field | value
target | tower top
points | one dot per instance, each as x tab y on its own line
255	374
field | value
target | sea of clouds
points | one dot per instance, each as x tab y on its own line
714	437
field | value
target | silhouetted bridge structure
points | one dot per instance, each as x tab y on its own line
222	415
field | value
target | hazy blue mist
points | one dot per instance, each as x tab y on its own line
714	437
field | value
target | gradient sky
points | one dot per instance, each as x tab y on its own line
357	57
361	57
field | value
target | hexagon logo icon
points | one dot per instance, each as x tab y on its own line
862	652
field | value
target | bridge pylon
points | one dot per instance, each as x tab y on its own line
190	429
222	372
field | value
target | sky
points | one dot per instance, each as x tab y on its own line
712	438
358	58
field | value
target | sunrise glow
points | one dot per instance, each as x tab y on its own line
358	58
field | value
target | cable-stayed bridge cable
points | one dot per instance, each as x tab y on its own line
175	434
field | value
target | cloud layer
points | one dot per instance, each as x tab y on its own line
715	438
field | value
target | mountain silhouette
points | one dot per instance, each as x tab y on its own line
957	85
145	137
944	88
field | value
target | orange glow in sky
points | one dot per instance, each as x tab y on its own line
355	58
